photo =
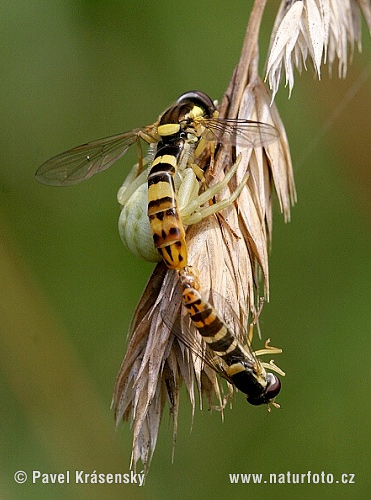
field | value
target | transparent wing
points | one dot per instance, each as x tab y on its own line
233	321
82	162
243	133
199	348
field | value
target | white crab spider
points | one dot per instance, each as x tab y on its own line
134	227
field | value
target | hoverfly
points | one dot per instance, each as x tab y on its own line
180	135
224	353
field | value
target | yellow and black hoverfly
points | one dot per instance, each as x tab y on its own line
180	135
230	358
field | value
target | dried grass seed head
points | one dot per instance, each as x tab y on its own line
320	29
230	252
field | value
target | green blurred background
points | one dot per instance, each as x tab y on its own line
78	70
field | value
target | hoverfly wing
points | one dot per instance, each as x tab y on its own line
238	326
82	162
243	133
199	348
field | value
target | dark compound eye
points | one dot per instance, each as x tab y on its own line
271	391
200	99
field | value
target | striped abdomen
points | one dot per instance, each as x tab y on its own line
212	329
166	225
243	369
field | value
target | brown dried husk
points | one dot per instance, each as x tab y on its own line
231	256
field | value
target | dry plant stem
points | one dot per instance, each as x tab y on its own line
245	76
227	251
243	73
